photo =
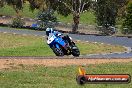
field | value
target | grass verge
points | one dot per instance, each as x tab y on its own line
37	76
26	45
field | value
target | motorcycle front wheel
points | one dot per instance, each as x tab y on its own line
58	51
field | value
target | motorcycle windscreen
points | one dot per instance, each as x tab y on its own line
60	41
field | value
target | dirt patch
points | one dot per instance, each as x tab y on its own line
7	63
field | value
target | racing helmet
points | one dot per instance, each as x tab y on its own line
48	31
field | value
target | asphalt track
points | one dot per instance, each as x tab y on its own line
123	41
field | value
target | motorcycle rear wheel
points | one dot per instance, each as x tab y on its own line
75	51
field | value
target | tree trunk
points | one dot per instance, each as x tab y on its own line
76	18
17	11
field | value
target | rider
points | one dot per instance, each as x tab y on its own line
50	31
56	33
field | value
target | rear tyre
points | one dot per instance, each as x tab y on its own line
75	51
58	51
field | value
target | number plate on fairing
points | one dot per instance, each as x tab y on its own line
51	38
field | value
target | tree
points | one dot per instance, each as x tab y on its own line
122	8
74	7
107	11
127	24
39	4
2	2
47	19
63	7
16	4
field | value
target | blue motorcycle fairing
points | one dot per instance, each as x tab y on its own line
57	46
60	41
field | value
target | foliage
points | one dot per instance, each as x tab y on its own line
17	22
16	4
104	13
47	19
127	24
66	7
38	4
63	7
107	10
85	18
2	2
122	9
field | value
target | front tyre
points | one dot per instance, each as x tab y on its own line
58	51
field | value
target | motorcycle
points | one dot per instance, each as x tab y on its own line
62	45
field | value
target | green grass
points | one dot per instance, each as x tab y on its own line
87	17
26	12
23	76
19	45
7	10
98	48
